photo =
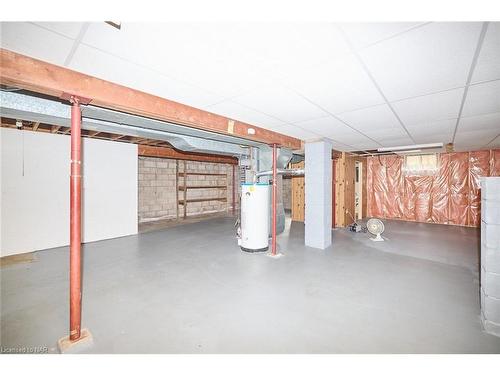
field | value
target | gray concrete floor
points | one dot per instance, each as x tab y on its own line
189	289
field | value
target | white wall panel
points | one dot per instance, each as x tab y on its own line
35	190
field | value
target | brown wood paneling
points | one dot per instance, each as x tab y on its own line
298	195
345	175
340	191
349	194
364	198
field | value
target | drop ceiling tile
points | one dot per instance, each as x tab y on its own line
482	98
339	146
428	59
281	103
31	40
488	63
364	146
195	53
372	118
434	138
428	130
474	139
168	46
495	143
479	123
338	86
432	126
69	29
396	141
429	108
362	34
350	138
226	58
288	48
99	64
241	113
386	134
329	127
224	78
324	125
296	132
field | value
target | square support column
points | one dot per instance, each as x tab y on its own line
318	194
490	254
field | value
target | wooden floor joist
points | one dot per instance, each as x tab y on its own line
24	72
170	153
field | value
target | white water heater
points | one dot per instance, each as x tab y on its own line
254	223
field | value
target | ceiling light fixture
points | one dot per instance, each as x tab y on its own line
411	147
408	151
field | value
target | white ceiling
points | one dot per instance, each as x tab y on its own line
363	85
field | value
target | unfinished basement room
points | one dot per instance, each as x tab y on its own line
243	188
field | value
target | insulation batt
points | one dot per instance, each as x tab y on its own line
451	196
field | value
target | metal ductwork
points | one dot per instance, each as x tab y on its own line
26	107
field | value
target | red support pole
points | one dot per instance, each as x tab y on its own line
234	190
75	277
275	190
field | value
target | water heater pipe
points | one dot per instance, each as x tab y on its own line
288	172
75	276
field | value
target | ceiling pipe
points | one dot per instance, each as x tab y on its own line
284	172
411	147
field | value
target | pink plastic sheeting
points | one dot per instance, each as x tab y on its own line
451	196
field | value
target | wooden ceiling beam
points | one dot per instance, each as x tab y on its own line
170	153
24	72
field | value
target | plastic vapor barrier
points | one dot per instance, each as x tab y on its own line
450	196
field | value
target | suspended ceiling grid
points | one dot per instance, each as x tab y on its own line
362	85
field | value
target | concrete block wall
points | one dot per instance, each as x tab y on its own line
490	254
156	179
157	199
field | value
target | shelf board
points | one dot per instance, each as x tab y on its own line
182	201
202	187
201	174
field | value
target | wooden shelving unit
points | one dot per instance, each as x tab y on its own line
184	187
182	202
183	174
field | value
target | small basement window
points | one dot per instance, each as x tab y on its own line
421	165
